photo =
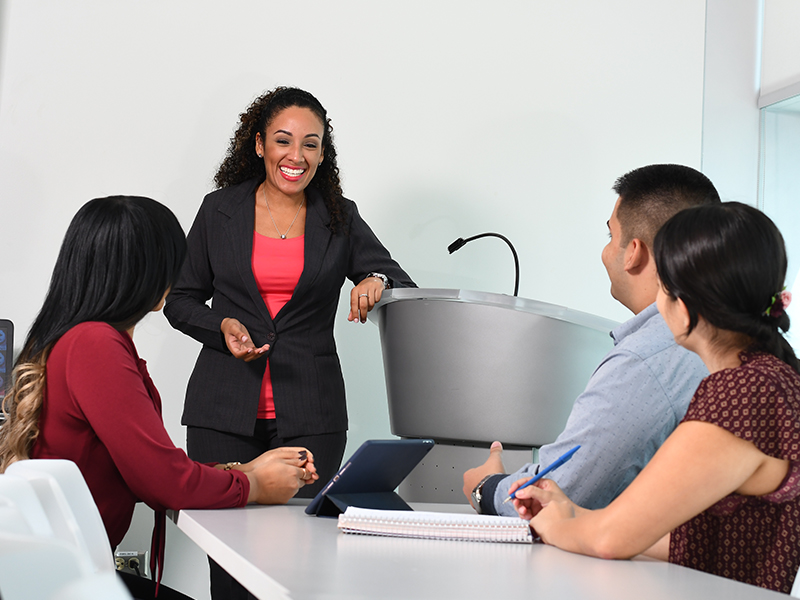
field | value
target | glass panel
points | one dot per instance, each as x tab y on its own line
779	190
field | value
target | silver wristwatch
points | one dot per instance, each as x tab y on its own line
477	493
383	278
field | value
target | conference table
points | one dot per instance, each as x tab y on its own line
279	552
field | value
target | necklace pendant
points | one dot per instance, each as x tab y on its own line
283	237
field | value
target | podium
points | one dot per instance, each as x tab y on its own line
466	368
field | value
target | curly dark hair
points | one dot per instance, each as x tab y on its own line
242	163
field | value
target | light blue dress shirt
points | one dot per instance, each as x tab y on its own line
634	399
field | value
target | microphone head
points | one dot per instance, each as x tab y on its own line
456	245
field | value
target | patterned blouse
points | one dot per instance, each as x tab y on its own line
754	539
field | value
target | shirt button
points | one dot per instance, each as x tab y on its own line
271	336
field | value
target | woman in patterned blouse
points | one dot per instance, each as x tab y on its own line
722	494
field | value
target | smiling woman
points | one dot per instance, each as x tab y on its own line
271	248
292	151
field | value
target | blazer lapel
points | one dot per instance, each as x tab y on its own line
240	230
317	238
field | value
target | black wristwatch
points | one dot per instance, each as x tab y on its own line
477	493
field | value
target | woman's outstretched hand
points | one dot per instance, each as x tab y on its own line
238	340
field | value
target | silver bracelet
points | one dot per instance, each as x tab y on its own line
383	278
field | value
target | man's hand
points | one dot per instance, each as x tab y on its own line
492	466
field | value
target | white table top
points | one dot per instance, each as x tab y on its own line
280	552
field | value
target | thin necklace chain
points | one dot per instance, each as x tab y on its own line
274	224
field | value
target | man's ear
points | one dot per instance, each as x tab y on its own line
637	256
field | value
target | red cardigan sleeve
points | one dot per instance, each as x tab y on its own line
109	385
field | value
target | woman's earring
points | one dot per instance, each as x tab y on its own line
260	155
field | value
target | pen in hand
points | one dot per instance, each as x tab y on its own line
552	467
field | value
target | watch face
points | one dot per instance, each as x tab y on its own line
477	494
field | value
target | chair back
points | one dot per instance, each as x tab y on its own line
35	567
100	585
20	509
70	508
37	563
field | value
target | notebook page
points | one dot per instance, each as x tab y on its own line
434	525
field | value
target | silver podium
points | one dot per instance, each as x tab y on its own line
465	368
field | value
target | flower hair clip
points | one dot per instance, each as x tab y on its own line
779	303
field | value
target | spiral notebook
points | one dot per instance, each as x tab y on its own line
433	525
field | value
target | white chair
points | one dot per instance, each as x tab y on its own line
105	586
53	544
20	509
35	567
70	509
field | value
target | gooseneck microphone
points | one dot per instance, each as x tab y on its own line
460	242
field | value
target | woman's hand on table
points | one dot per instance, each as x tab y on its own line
532	499
295	456
363	297
278	474
545	504
238	340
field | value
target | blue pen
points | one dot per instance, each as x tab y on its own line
557	463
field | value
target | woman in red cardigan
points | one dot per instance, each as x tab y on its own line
82	393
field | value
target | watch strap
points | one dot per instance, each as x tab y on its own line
477	493
386	283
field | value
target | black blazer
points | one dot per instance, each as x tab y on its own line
223	391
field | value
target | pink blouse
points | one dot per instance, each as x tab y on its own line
277	265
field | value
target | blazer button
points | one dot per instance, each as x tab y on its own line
271	336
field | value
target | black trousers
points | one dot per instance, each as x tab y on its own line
208	445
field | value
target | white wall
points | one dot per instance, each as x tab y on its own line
451	118
730	100
781	48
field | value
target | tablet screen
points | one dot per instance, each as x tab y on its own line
6	355
377	466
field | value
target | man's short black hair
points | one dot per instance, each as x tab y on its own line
650	195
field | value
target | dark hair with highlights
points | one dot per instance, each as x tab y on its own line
242	163
652	194
119	257
726	262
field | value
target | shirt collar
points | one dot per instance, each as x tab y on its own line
634	324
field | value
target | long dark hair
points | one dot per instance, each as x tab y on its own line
118	258
726	262
242	163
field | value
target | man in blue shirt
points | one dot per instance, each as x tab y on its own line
640	391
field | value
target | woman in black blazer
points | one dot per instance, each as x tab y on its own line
280	181
271	248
